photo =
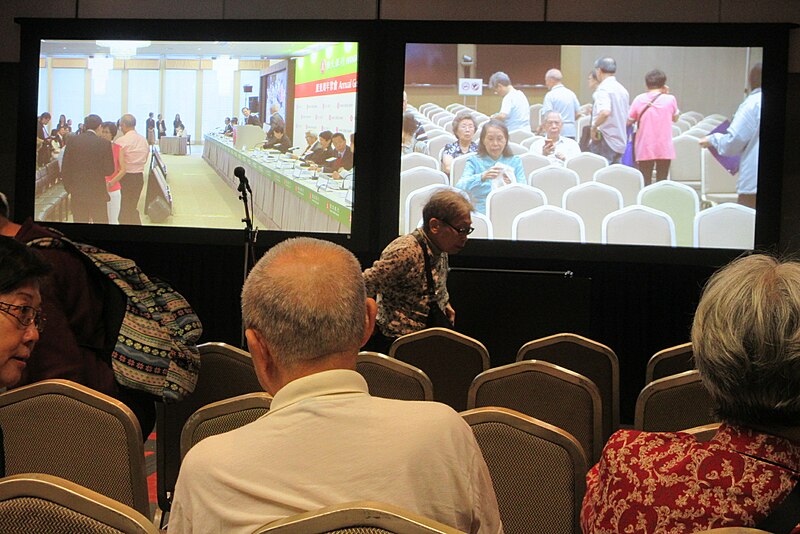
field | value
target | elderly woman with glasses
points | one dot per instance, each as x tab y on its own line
409	281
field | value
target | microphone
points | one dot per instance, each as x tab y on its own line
244	184
292	148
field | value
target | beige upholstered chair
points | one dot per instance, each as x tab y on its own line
592	201
359	517
627	180
553	180
538	470
673	403
668	362
450	359
61	428
390	378
32	503
593	360
638	225
548	392
505	203
548	223
223	416
586	164
727	225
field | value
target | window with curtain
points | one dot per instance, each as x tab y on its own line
217	100
143	93
106	95
69	88
180	97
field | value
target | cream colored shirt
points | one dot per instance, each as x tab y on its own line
136	151
327	441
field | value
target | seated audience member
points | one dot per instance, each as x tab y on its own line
279	141
322	152
464	128
311	145
342	153
326	440
744	338
411	142
420	134
227	129
555	147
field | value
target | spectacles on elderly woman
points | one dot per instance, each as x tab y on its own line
25	315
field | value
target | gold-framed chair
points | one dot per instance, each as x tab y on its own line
673	403
670	361
390	378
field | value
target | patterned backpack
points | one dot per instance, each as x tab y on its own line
156	349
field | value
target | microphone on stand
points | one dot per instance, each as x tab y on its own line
244	184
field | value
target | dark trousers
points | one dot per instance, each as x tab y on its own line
661	166
747	199
89	210
132	184
601	148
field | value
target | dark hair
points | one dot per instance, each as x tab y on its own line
460	117
606	64
111	127
278	129
339	134
327	135
92	122
494	123
655	79
235	119
252	119
44	115
410	123
19	265
4	209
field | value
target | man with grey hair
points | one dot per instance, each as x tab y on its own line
275	121
133	151
554	146
325	440
609	132
561	100
515	110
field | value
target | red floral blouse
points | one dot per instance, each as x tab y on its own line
650	482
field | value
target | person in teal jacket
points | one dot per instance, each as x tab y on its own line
493	166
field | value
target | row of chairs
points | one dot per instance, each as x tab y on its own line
52	200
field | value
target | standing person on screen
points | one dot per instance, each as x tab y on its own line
326	440
108	130
555	147
275	121
561	100
161	126
399	280
151	129
610	113
134	154
87	161
515	110
742	138
654	111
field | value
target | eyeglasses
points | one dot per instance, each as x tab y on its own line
460	231
25	315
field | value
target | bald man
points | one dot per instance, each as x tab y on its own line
134	151
561	100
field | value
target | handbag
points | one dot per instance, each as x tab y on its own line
436	317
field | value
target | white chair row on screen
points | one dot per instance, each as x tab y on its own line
697	167
666	214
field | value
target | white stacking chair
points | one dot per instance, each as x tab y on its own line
527	142
448	127
553	180
727	225
517	149
520	135
532	162
717	184
480	117
683	125
685	168
438	143
454	107
505	203
417	159
433	110
457	168
443	119
696	132
592	201
435	132
536	119
583	122
677	200
548	223
696	114
482	225
691	119
710	123
414	203
627	180
413	180
586	164
423	107
717	117
676	130
638	225
439	114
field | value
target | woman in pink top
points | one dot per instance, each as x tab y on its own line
109	131
655	111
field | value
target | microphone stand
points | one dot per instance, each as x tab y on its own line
249	237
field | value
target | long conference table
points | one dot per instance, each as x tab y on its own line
286	195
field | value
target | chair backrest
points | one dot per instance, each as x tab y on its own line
532	162
638	225
673	403
519	135
592	201
586	164
627	180
694	114
553	181
726	225
676	130
482	225
457	168
677	200
226	372
517	149
443	118
417	159
696	132
35	502
414	203
683	125
528	141
538	470
548	223
439	142
535	117
668	362
715	179
505	203
390	378
450	359
686	165
358	517
434	131
415	179
61	428
690	118
548	392
435	117
589	358
703	433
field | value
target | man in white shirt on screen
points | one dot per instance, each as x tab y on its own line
515	110
609	131
562	100
555	147
326	440
135	150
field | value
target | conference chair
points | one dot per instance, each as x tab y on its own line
528	141
454	107
517	149
532	162
432	110
690	118
519	135
584	121
673	403
450	359
415	179
505	203
548	392
457	168
726	225
553	180
591	359
627	180
683	125
417	159
448	127
538	470
717	185
225	372
34	502
438	143
390	378
592	201
676	130
694	114
223	416
668	362
439	114
548	223
64	429
586	164
703	433
686	168
698	132
416	200
434	130
482	225
444	118
536	116
638	225
677	200
717	117
424	107
358	517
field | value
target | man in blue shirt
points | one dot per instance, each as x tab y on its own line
561	100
